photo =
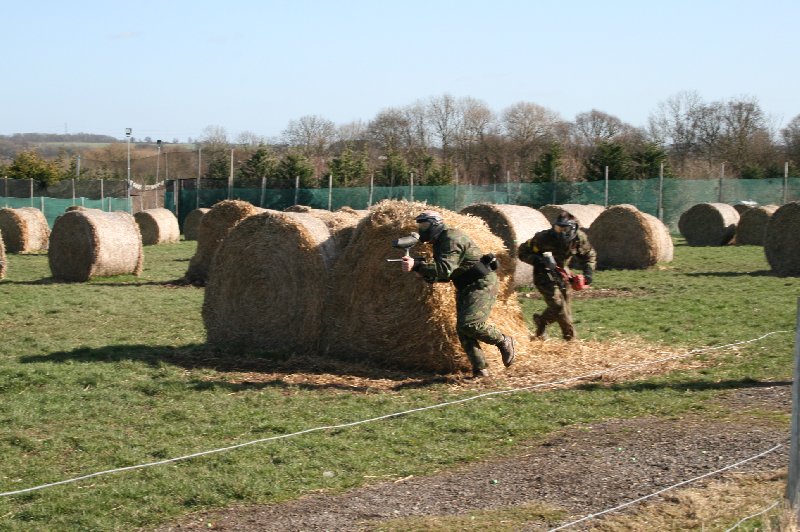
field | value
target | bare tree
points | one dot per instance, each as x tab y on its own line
444	115
389	130
791	139
311	133
672	126
477	122
530	128
596	126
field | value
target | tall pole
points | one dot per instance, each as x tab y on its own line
785	182
128	132
330	191
371	186
263	191
73	191
555	185
411	181
661	192
721	176
158	160
197	186
296	189
230	178
78	167
606	193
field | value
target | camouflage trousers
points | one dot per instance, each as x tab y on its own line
473	305
559	308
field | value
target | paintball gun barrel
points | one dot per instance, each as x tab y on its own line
405	243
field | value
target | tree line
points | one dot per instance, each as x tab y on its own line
444	139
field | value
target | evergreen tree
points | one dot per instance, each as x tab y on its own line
548	163
263	163
290	167
29	165
394	171
349	168
611	154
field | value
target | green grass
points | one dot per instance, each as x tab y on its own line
114	373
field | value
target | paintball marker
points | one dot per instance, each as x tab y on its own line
405	243
559	275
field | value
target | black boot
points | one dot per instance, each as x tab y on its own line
541	327
507	350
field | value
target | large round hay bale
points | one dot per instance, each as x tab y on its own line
268	282
514	224
709	224
24	229
626	238
782	240
752	226
3	263
158	226
744	206
585	214
214	227
378	313
341	223
93	243
192	222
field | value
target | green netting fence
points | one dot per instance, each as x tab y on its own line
666	199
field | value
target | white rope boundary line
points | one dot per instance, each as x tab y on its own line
378	418
659	492
762	512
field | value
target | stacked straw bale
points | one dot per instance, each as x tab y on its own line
782	240
394	319
709	224
214	227
92	243
3	264
341	223
268	283
585	214
626	238
514	224
80	208
192	222
24	229
158	226
752	226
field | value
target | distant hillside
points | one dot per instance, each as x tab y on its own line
27	138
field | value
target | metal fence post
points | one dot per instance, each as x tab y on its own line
721	176
411	188
330	191
785	182
371	188
296	188
30	180
661	192
606	192
263	191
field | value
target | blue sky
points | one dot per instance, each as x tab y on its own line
169	69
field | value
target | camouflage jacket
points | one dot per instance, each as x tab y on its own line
577	254
453	254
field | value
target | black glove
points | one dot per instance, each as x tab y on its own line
587	275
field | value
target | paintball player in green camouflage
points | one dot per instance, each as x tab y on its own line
456	258
569	246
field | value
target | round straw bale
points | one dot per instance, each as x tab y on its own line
158	226
377	312
3	264
80	208
192	222
268	282
341	223
24	229
709	224
214	227
626	238
782	240
93	243
514	224
752	225
585	214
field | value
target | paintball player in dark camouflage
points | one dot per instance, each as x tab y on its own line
569	246
456	258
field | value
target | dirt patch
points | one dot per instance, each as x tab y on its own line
593	293
581	470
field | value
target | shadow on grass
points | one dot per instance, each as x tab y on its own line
759	273
254	370
175	283
692	385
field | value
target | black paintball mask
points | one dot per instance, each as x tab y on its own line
430	224
566	228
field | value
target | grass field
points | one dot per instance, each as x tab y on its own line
114	373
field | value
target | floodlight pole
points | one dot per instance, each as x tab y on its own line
128	132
